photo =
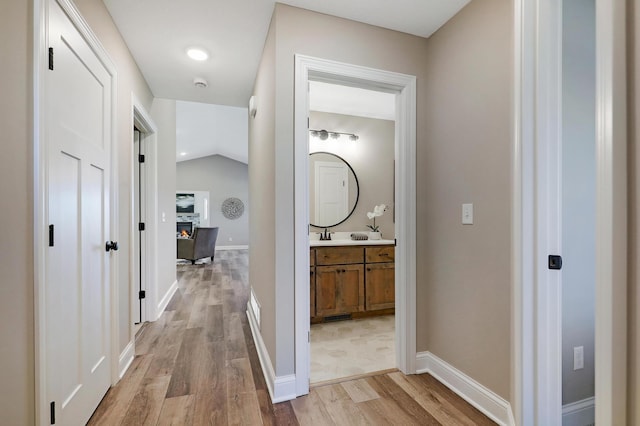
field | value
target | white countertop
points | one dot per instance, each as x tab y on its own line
350	242
344	239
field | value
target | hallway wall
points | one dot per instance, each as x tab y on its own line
223	178
16	205
464	156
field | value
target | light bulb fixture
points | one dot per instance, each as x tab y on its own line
197	54
323	135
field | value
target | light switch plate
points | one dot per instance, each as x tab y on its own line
467	214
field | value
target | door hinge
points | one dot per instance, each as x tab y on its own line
141	226
51	235
309	336
52	408
142	294
51	58
140	158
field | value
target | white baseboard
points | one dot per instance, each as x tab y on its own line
579	413
126	358
281	388
232	247
485	400
165	300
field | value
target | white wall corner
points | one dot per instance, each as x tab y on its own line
162	305
281	388
485	400
579	413
126	358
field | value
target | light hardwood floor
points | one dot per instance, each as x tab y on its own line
197	365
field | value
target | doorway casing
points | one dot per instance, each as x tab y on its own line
148	130
536	74
404	86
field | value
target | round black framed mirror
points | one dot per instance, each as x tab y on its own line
333	190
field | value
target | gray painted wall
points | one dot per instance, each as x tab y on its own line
579	196
163	113
371	158
223	178
463	271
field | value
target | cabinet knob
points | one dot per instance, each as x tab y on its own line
369	269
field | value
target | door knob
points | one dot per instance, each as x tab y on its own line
112	245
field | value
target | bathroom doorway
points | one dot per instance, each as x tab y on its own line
352	231
403	87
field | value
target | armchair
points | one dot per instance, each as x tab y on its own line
203	244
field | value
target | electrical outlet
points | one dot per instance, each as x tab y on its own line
578	358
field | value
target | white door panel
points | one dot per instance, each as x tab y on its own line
78	99
332	192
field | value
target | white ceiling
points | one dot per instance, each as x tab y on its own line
206	129
158	32
326	97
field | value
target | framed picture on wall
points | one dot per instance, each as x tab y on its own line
185	203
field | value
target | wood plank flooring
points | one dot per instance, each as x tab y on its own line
197	365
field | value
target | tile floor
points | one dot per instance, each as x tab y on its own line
349	348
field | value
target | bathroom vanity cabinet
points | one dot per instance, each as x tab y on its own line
351	281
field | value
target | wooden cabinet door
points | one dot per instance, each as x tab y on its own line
339	289
312	293
380	287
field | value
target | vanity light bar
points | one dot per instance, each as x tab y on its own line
324	135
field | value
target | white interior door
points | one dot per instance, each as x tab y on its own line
332	192
78	108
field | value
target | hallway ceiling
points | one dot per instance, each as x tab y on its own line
158	33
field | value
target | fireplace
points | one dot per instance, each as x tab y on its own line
185	227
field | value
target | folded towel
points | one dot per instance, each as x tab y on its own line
359	236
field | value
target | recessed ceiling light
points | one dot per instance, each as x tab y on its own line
183	153
197	54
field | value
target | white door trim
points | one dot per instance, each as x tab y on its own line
531	374
143	121
40	161
307	68
611	213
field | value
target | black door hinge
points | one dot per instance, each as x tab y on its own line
141	226
142	294
52	408
140	158
51	58
51	234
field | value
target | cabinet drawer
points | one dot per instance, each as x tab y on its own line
380	254
339	255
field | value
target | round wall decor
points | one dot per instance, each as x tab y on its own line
232	208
